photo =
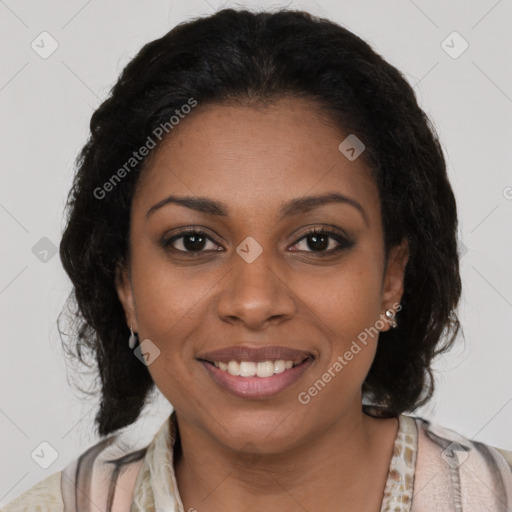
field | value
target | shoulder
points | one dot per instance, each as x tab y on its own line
104	474
45	496
451	468
107	471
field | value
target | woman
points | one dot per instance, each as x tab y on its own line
261	226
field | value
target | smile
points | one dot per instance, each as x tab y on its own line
258	369
256	380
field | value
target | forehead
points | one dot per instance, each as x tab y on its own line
255	158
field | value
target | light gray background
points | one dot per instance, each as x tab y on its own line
45	107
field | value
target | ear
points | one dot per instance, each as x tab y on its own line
393	284
125	293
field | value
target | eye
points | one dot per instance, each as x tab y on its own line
189	241
319	240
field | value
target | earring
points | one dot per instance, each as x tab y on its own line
132	339
391	316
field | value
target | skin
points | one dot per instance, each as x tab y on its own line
272	454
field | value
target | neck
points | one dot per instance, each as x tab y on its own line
331	469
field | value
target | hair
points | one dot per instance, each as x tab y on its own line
256	58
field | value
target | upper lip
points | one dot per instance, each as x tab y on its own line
247	353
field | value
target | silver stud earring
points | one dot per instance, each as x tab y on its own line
132	339
391	317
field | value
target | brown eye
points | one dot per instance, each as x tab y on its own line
193	240
319	240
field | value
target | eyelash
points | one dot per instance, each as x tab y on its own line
343	242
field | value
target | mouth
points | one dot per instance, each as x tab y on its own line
261	369
256	373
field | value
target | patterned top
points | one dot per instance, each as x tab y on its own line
432	468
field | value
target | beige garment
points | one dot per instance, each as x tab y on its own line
432	469
456	474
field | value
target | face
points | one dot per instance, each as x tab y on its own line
272	275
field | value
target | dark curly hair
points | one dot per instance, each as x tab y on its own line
259	57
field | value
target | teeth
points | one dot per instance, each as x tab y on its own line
233	368
247	369
252	369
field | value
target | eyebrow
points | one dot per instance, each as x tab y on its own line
293	207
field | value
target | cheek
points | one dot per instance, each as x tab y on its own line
348	314
169	305
167	296
348	307
349	300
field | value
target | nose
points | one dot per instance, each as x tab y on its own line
256	294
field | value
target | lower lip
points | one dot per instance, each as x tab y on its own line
257	387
